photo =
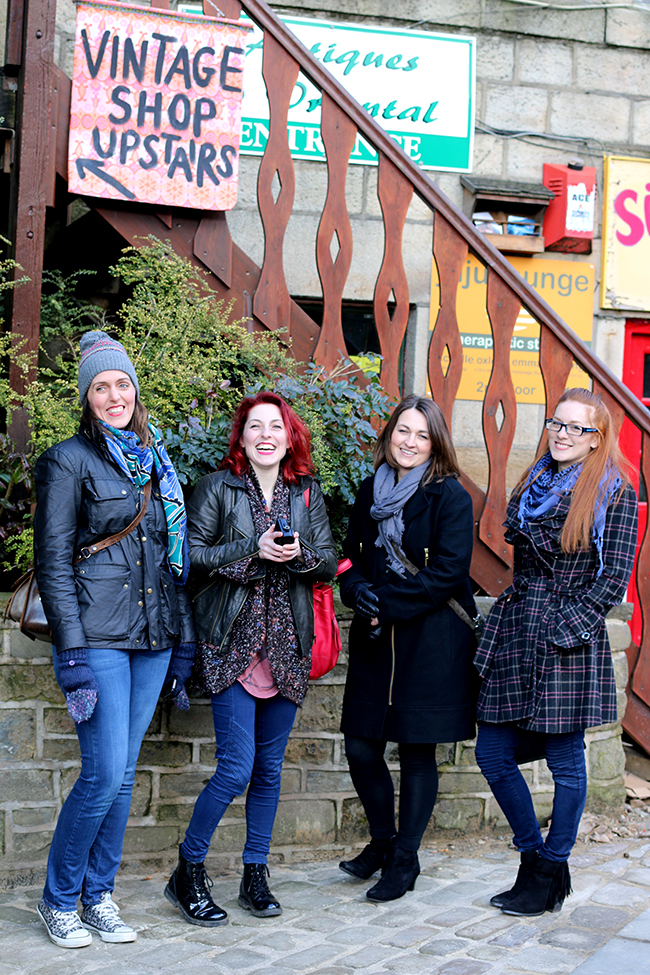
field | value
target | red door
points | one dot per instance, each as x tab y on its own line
636	376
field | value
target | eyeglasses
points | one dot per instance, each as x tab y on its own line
573	429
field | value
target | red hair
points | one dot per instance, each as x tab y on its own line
297	461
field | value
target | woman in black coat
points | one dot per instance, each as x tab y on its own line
410	677
544	656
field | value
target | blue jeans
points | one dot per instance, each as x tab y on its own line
87	844
565	756
251	735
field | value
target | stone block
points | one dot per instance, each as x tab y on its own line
606	759
516	106
180	813
619	660
604	117
141	797
354	188
23	648
290	781
26	785
24	682
641	123
619	634
467	755
308	751
175	785
488	155
525	161
165	753
195	723
445	753
419	211
321	710
311	185
588	25
68	779
155	725
461	814
208	754
229	837
305	823
34	815
628	28
17	734
150	839
462	782
495	58
62	749
31	845
329	782
247	231
354	825
608	798
617	70
538	59
57	721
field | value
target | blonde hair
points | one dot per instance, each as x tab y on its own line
604	464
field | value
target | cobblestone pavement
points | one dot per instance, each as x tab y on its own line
446	926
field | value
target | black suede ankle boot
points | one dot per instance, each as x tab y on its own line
372	858
254	893
400	874
527	860
189	890
545	888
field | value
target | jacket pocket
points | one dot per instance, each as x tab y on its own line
104	596
109	506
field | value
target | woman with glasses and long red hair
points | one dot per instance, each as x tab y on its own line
544	656
259	538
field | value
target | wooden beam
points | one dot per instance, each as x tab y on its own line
32	158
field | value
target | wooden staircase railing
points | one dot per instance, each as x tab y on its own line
262	295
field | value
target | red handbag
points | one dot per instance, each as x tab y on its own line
327	637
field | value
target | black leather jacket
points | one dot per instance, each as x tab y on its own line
124	597
221	532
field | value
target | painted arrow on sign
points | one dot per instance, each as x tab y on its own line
97	168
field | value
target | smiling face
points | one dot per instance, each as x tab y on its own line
111	397
265	437
567	450
410	442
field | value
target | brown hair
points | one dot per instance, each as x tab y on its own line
93	429
443	461
604	463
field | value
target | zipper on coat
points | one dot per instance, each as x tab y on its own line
392	669
232	622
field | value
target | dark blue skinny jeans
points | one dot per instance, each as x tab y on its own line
565	756
252	735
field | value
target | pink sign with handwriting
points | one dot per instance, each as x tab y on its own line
156	106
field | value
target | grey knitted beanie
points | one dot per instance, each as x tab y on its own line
100	352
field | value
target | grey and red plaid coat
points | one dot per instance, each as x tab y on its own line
544	657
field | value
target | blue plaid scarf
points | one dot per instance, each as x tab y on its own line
545	486
137	463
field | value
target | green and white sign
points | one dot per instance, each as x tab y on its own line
418	85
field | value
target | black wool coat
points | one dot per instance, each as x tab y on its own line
416	683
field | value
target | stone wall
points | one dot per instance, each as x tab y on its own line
319	816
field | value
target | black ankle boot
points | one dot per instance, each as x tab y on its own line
372	858
527	860
545	888
189	890
254	893
400	874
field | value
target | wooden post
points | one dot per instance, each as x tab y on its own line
32	178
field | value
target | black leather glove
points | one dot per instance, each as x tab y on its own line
78	683
364	600
178	672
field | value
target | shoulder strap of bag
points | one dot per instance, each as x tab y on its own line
89	550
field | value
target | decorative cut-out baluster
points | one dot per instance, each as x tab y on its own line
272	303
503	308
334	241
395	193
450	252
641	676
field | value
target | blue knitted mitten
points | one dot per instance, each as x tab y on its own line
78	683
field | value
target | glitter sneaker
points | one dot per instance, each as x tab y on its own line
104	918
64	928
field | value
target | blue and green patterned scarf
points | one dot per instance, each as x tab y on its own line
137	463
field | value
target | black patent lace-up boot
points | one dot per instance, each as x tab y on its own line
254	893
189	890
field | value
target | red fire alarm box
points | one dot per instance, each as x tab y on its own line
569	219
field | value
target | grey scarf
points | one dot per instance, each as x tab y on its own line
389	498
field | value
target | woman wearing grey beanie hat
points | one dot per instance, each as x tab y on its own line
121	623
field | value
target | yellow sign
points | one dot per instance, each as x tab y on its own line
567	286
626	234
